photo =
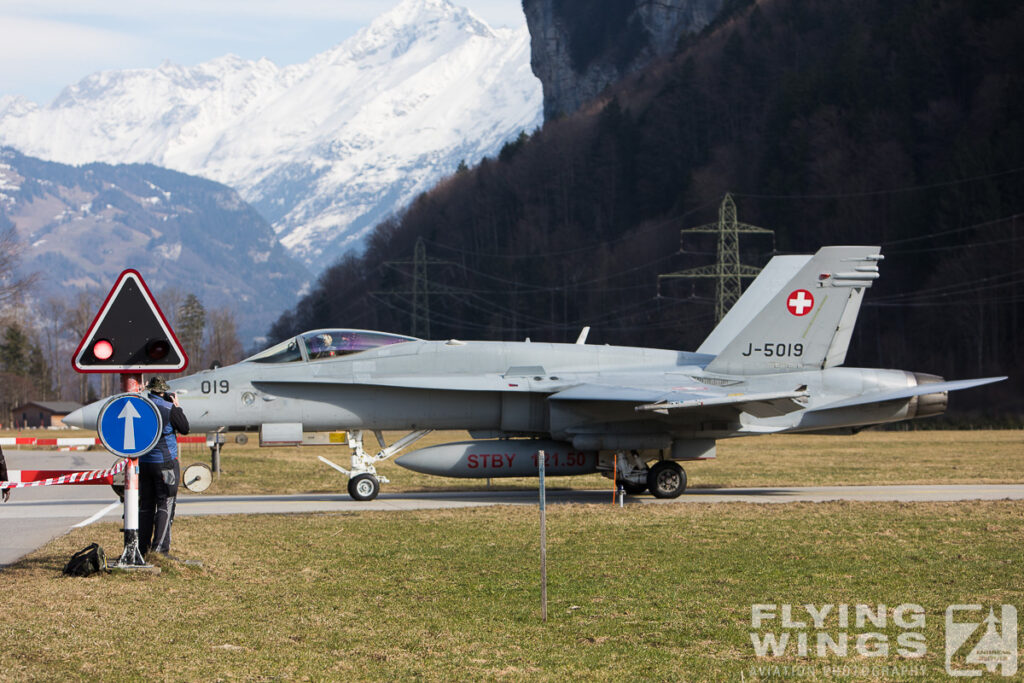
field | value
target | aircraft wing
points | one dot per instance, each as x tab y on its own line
769	404
612	392
920	389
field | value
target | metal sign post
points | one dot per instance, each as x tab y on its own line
215	441
130	335
543	541
129	426
131	382
131	558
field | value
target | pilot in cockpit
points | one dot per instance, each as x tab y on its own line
321	346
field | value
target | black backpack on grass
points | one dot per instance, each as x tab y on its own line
87	561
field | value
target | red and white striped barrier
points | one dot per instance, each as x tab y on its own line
87	441
34	441
17	479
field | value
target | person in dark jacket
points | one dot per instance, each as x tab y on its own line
159	472
3	475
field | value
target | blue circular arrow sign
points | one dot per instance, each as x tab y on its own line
129	425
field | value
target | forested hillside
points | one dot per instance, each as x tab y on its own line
831	122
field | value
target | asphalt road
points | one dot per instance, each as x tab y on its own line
34	516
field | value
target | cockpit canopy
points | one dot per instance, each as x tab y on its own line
321	344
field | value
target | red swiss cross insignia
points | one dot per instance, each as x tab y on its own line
800	302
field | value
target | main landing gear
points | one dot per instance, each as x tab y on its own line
364	482
664	479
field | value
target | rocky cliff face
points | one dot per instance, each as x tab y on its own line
579	47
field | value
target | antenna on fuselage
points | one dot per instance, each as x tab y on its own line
582	339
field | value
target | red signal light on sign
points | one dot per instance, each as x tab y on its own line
102	349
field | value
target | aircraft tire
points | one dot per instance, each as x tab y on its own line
363	487
633	489
666	479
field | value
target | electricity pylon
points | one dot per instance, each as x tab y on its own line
421	288
420	292
728	271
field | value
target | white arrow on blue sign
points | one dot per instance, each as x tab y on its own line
129	425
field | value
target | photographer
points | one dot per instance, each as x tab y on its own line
159	472
6	494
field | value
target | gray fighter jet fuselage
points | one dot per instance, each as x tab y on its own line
772	365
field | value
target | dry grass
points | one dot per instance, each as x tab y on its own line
641	593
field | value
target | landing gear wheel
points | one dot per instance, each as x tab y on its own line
363	487
633	489
666	480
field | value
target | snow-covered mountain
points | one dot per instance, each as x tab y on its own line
325	149
82	225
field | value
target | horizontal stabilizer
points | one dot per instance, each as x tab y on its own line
909	392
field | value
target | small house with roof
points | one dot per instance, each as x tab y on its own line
43	414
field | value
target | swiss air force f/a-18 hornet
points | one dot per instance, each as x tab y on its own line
772	365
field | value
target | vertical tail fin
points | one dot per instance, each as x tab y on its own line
806	324
776	275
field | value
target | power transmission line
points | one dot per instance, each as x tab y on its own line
893	190
420	319
728	272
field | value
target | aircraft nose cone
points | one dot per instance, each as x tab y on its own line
75	418
85	417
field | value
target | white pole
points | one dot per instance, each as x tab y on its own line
131	496
543	542
131	557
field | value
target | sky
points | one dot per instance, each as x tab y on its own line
46	45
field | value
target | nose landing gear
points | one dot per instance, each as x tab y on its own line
363	487
364	482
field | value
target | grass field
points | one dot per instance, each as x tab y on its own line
640	593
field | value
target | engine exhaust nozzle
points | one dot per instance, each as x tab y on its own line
929	405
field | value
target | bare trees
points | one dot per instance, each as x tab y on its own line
37	341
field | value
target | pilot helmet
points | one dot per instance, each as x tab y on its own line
322	342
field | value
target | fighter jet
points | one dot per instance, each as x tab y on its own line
772	365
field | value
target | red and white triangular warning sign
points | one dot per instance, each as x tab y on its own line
129	334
